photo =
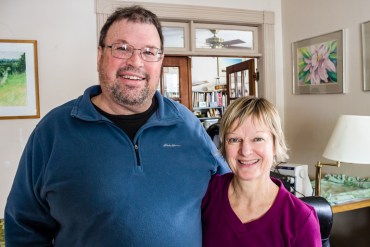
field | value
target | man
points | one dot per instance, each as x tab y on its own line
119	166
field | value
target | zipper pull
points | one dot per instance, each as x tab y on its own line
136	147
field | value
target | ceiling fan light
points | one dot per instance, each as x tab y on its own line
215	42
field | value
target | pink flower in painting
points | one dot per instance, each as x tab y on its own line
318	64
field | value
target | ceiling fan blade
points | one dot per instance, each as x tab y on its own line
238	47
232	42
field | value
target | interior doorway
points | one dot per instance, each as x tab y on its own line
207	85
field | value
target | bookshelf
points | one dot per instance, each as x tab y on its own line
209	104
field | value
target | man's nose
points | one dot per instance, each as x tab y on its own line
135	60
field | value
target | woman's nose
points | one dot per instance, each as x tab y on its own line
246	147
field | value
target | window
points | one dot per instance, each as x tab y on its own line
176	36
206	38
225	37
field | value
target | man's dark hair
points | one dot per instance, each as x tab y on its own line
134	13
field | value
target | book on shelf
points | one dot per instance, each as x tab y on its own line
212	98
213	112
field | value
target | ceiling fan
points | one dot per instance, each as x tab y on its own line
217	42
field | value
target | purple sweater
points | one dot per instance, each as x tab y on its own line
289	221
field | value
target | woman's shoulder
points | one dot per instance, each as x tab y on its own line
290	204
217	186
219	180
296	215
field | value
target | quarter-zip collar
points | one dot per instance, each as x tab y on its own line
84	109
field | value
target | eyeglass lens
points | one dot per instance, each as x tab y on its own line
124	51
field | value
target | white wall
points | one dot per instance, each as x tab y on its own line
66	35
309	119
203	69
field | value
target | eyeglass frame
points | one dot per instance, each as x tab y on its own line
159	53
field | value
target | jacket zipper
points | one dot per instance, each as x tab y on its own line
137	154
136	146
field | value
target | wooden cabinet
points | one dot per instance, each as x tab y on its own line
175	80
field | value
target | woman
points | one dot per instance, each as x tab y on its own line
247	207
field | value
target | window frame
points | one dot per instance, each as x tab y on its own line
229	52
186	34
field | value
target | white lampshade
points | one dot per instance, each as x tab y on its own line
350	140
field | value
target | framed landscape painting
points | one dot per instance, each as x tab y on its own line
19	96
318	64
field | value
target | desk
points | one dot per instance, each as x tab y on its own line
351	206
345	193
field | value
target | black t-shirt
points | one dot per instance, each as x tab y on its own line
131	123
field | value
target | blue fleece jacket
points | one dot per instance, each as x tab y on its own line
82	182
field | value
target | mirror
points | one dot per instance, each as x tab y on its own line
171	82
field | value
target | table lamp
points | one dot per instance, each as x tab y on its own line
349	143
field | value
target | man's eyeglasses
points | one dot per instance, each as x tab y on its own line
125	51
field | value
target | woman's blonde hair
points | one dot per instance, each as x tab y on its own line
261	110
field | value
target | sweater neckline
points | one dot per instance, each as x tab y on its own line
256	225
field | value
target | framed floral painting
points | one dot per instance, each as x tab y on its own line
318	64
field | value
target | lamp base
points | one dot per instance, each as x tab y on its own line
318	166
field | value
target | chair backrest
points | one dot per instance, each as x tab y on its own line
325	215
213	132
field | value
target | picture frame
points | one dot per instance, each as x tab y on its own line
19	93
365	29
319	64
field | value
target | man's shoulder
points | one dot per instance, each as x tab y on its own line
175	108
62	111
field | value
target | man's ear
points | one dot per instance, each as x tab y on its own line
161	61
99	57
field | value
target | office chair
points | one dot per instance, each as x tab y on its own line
213	132
325	215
